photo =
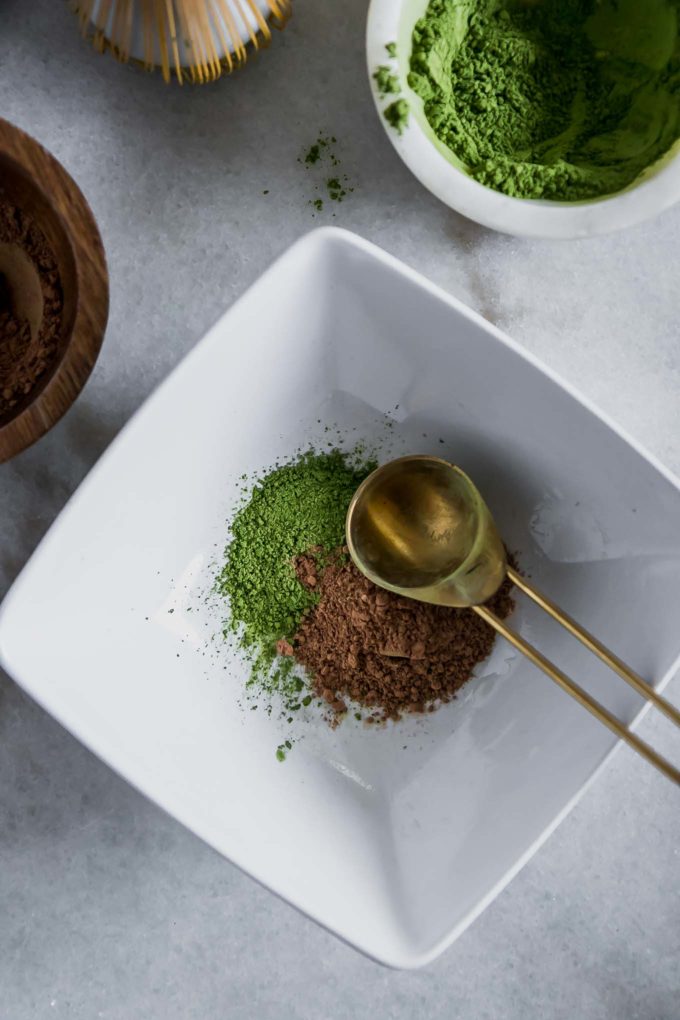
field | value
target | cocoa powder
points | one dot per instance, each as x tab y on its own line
388	653
24	359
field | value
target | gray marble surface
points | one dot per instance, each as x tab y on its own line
108	908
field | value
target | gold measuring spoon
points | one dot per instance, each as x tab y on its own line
418	526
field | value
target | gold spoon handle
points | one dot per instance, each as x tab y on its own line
595	646
579	694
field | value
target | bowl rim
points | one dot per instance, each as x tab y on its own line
82	346
657	190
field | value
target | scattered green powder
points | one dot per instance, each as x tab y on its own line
321	149
336	190
387	82
553	99
323	154
295	507
314	154
283	749
396	114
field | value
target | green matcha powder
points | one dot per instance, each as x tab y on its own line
553	99
295	507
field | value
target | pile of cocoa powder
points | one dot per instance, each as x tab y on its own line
387	653
25	359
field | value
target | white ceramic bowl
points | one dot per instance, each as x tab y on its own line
395	839
423	153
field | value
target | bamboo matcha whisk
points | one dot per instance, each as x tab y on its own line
198	40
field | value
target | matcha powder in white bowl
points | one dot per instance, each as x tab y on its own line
556	103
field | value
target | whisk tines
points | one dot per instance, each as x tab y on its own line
197	40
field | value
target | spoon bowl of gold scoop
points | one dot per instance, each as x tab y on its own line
418	526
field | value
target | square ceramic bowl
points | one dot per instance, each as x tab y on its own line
393	838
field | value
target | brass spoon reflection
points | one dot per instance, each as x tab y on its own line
417	526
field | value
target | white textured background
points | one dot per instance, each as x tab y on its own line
107	907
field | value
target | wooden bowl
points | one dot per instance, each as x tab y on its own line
33	180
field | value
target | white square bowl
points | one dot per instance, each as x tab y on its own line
395	839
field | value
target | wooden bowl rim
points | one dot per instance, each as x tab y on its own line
83	345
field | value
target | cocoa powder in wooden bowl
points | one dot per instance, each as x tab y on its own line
53	291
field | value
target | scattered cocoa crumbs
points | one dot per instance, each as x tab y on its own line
23	359
388	653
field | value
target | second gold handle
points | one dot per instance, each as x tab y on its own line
595	646
579	694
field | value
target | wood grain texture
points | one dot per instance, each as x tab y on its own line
35	181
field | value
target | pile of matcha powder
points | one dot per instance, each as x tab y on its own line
553	99
297	506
